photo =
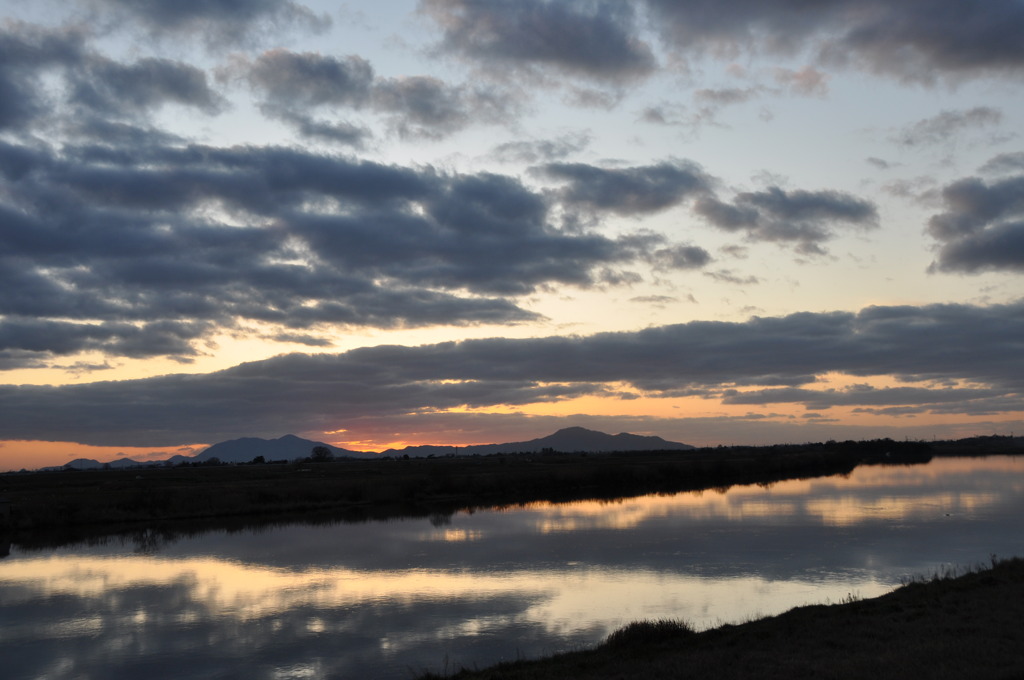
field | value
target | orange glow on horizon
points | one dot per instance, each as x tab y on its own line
31	455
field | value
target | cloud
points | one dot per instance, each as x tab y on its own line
310	79
982	228
51	78
940	128
628	191
293	84
917	41
592	39
541	150
806	218
910	399
219	23
808	81
26	53
315	129
145	250
111	88
728	276
427	107
1005	163
936	343
682	257
718	98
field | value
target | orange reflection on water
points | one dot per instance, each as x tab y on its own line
241	590
851	510
560	599
453	535
631	513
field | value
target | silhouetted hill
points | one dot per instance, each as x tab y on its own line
567	440
288	447
90	464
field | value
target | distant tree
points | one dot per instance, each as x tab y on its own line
321	454
259	460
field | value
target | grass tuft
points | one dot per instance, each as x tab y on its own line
649	632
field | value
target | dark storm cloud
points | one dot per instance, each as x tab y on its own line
940	128
595	39
628	191
218	23
916	40
806	218
146	250
982	228
938	344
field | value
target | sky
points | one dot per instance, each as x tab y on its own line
380	224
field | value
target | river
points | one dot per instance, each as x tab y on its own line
393	599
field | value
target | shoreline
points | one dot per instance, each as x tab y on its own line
965	626
49	508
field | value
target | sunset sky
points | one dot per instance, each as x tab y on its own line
471	221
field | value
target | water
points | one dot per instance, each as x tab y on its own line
393	599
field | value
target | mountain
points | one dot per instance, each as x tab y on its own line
572	439
90	464
567	440
288	447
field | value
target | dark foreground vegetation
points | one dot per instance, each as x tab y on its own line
53	507
971	626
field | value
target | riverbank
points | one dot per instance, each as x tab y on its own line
967	626
51	507
69	499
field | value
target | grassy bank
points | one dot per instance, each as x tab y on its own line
964	627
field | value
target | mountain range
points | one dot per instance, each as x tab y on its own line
290	447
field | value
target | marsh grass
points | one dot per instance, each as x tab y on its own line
641	633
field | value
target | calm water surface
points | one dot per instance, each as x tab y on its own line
392	599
